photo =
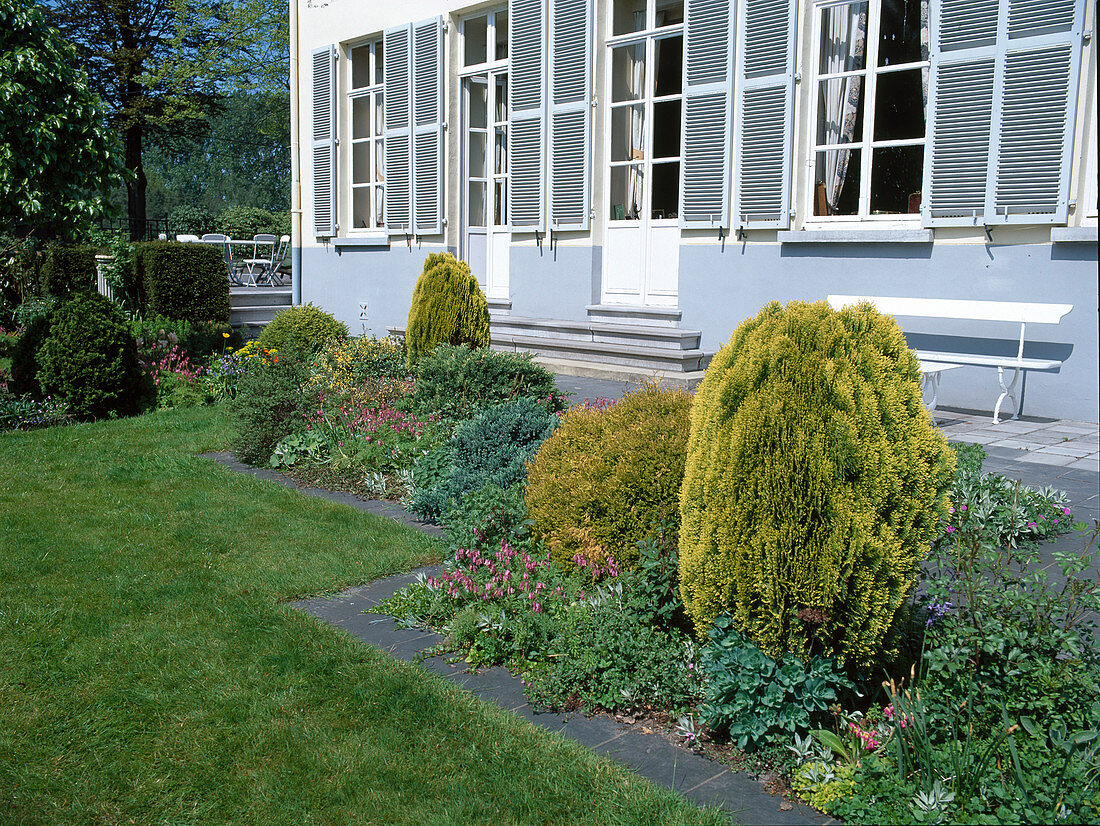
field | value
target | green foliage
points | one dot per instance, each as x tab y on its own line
304	329
814	482
185	281
494	447
429	473
29	413
655	581
197	339
604	480
25	357
457	381
487	517
56	161
245	222
363	371
269	405
187	219
448	307
89	359
68	269
19	277
757	700
33	308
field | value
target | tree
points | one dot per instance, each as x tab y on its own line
161	66
56	163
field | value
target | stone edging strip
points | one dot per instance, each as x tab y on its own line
649	755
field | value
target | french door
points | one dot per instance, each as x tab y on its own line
485	234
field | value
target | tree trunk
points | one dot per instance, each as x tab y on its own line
135	186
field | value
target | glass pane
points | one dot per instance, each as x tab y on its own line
379	122
500	213
837	182
666	190
628	133
627	72
840	110
475	31
502	35
500	151
360	163
501	104
379	160
379	205
360	117
477	103
843	38
476	203
378	75
360	66
670	12
899	105
666	130
627	16
360	207
477	155
900	37
626	192
668	59
896	174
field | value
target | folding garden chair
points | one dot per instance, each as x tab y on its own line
261	268
223	240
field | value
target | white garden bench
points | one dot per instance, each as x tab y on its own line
933	363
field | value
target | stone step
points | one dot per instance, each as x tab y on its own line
259	297
627	314
260	315
630	355
670	338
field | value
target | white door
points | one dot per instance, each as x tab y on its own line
642	144
485	235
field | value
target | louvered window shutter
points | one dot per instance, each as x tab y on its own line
397	77
708	96
427	131
570	35
526	114
1002	98
764	113
324	141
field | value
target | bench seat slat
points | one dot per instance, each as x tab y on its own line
1008	362
1017	311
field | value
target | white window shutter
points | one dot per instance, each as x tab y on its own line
764	113
397	117
527	114
1002	99
427	126
570	33
324	141
708	98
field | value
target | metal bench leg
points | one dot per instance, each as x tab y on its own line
1009	391
932	383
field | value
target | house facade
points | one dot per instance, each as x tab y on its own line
648	173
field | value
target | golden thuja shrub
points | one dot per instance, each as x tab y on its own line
606	479
448	307
814	482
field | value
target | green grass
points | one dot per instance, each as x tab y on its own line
151	672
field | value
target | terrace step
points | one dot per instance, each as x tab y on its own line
639	356
259	297
604	332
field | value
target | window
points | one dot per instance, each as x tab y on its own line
365	126
870	99
485	116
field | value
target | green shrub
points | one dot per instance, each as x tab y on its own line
68	269
25	357
190	220
19	277
606	480
493	448
245	222
186	281
457	381
34	307
758	701
429	473
305	329
448	307
270	402
197	339
366	371
89	359
813	485
486	517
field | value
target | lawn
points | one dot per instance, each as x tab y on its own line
153	674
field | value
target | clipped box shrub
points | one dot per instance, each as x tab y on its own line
813	485
304	329
24	357
605	481
68	269
457	381
89	359
190	220
448	307
185	281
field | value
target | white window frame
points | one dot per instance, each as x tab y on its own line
375	93
490	70
866	143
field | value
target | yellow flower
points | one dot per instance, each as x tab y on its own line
225	335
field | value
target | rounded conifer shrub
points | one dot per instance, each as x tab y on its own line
607	479
813	485
448	307
304	329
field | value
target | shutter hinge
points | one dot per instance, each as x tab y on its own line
444	125
445	26
1087	35
336	141
798	77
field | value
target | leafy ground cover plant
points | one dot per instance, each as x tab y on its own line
28	413
270	402
366	370
178	380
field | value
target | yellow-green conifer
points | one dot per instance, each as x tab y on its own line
447	307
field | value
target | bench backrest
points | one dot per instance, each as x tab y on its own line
1017	311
